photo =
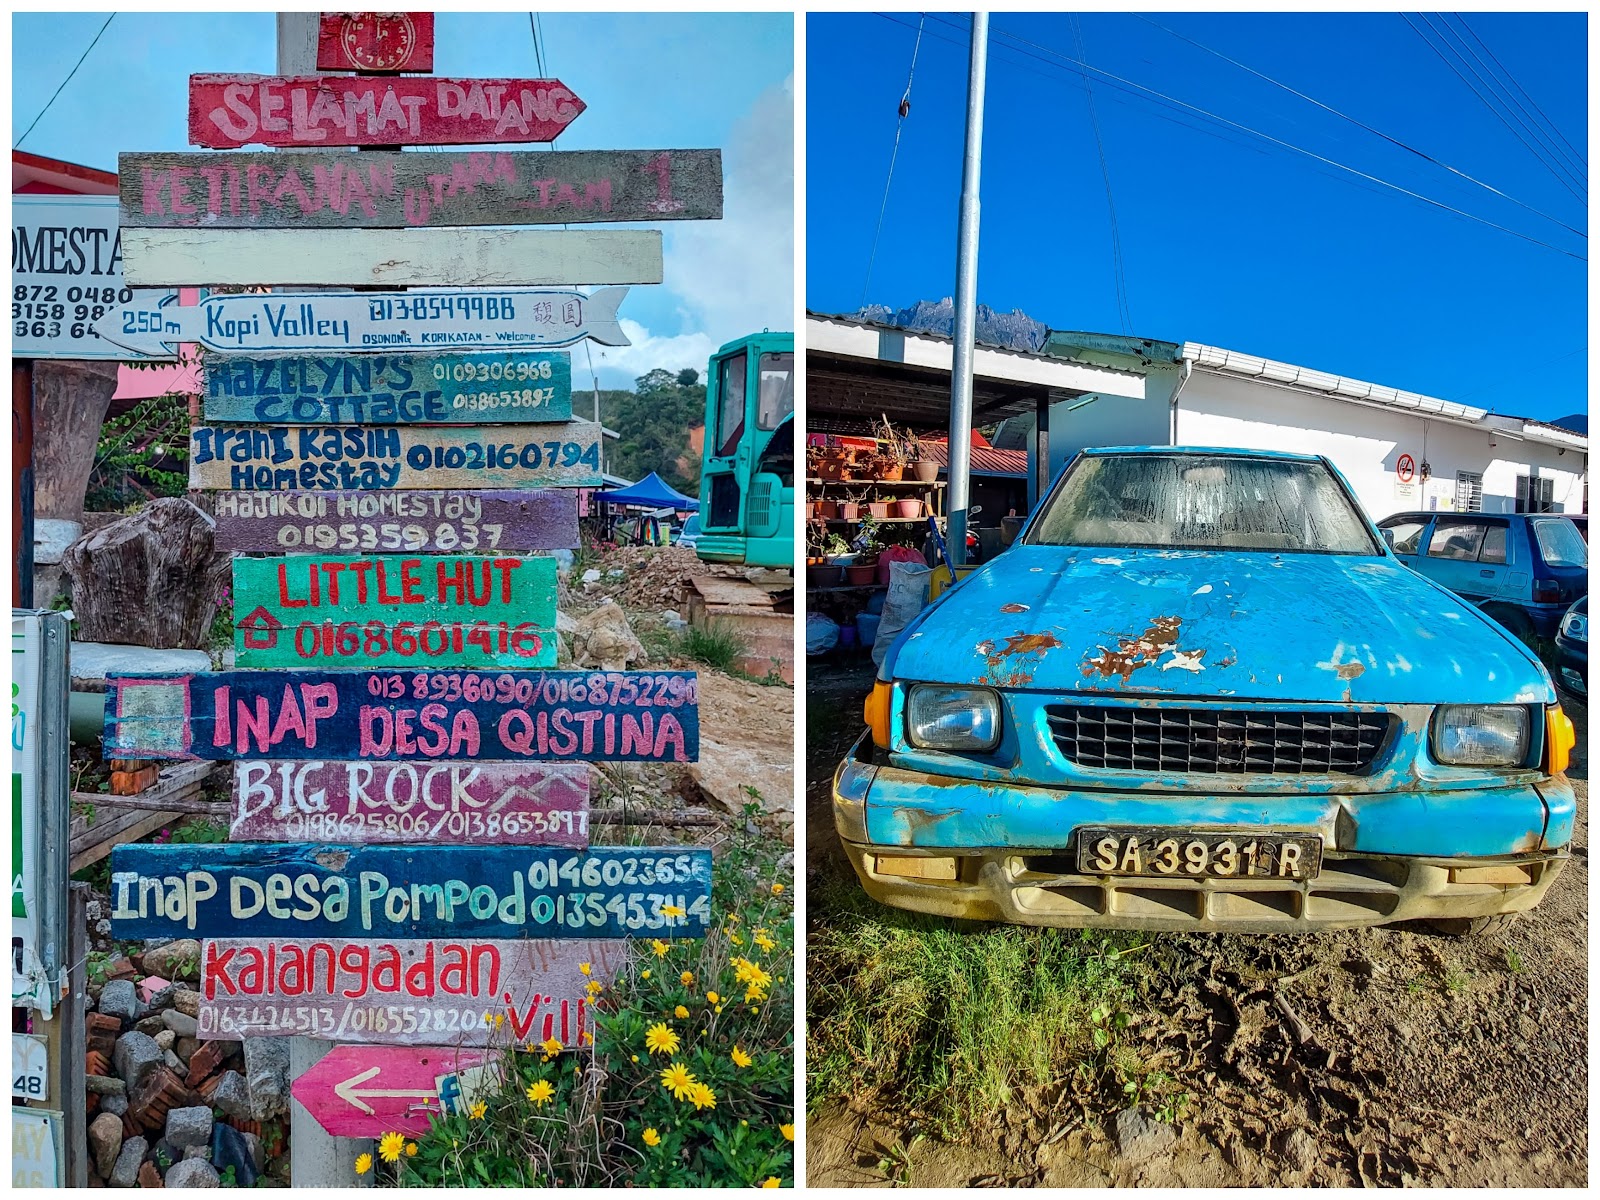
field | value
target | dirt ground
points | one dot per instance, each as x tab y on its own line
1380	1057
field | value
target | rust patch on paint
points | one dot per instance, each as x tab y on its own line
1133	653
1013	608
1350	670
1020	645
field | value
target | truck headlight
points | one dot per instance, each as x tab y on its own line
952	718
1480	735
1575	627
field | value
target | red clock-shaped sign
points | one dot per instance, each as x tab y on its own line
370	41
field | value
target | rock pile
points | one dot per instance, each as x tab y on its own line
166	1108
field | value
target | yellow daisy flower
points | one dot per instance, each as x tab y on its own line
713	997
411	1149
787	1131
659	1039
735	939
541	1092
687	979
765	942
777	889
702	1097
651	1137
594	987
733	918
499	1020
740	1058
659	947
390	1145
553	1046
476	1112
677	1080
681	1013
586	1038
644	974
671	910
584	967
771	1180
363	1163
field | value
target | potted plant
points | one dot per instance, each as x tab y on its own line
878	509
923	467
908	508
850	508
834	463
827	510
891	453
865	568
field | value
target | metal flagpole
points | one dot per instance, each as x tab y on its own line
966	294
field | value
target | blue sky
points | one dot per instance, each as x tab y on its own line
1225	238
649	80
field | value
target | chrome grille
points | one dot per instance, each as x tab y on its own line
1217	741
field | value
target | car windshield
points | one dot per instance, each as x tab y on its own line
1202	502
1560	543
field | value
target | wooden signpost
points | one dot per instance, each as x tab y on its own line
390	389
465	803
388	190
371	41
229	111
506	716
349	457
367	1091
404	991
393	610
319	889
390	257
346	322
425	522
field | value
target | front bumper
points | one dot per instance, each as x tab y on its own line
955	848
1572	666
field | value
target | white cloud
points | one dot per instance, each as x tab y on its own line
647	352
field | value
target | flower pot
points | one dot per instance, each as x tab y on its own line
850	511
827	510
891	471
925	470
908	508
822	577
861	574
879	509
832	465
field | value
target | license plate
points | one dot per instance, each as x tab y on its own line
1187	853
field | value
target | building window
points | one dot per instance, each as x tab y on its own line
1535	495
1469	491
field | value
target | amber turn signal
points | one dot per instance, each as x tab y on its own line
1559	739
877	713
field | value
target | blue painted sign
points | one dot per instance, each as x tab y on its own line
389	389
378	715
315	890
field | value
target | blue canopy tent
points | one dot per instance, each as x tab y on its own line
650	492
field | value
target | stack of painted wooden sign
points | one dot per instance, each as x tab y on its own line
410	828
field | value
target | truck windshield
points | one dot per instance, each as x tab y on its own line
775	401
1202	502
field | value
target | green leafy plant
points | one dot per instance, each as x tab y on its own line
141	455
714	644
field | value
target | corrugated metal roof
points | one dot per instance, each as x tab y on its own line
986	460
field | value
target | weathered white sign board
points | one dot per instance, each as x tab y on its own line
66	274
33	1149
30	1067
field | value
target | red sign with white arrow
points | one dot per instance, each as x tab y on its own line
368	1091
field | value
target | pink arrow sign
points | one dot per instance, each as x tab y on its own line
368	1091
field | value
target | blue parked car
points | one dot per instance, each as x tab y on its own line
1200	692
1572	650
1523	569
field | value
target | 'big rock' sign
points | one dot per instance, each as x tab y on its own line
227	111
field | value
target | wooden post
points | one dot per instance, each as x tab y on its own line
1041	447
73	1046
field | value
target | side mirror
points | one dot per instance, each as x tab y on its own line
1388	538
974	509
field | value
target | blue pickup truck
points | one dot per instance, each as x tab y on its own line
1199	692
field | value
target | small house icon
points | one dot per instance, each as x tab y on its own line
260	630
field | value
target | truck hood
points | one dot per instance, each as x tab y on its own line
1211	624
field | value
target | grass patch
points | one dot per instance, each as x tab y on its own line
714	644
949	1021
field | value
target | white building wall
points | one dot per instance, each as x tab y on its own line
1367	443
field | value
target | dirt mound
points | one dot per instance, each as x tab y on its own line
648	578
746	740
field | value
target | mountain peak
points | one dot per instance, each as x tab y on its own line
1014	330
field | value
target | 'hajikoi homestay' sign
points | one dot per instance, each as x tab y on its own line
228	111
367	457
385	190
389	389
465	803
394	610
315	889
368	322
428	522
605	716
405	991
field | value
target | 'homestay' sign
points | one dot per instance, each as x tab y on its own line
405	991
330	890
393	610
227	111
526	804
610	716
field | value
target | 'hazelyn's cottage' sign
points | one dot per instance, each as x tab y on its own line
393	610
389	389
455	319
607	716
367	457
385	190
305	889
228	111
403	992
441	521
465	803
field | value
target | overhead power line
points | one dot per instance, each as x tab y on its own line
1124	313
1554	128
1439	204
64	83
905	111
1360	124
